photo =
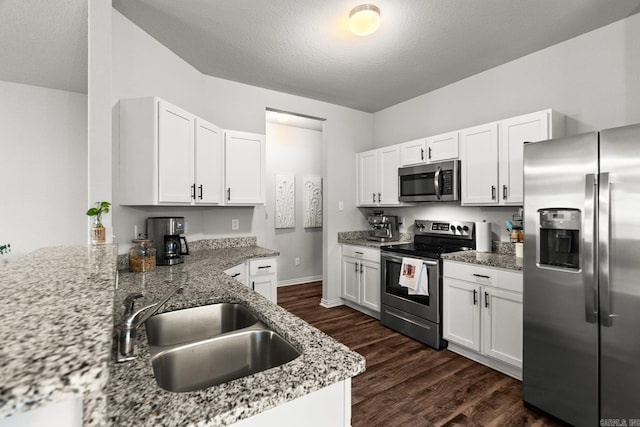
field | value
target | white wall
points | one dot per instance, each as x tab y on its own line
296	151
143	67
43	160
593	79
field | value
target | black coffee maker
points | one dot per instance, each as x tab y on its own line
165	233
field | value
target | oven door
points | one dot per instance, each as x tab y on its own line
394	295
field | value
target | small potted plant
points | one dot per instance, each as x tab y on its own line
5	249
98	231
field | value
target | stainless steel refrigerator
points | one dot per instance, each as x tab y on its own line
581	355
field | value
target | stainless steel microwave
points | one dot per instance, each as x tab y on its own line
433	182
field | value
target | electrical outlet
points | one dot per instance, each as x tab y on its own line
235	224
340	206
297	261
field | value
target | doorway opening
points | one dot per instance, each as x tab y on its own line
294	214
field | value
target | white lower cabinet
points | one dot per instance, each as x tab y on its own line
262	277
260	274
361	279
482	315
238	272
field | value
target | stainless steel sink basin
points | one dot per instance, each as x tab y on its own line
199	365
197	323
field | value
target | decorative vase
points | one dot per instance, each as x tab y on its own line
97	233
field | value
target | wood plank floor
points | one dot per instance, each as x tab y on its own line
408	383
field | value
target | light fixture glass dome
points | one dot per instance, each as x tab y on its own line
364	19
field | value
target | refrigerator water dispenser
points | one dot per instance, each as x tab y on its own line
559	237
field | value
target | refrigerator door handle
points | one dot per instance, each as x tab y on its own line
604	249
589	250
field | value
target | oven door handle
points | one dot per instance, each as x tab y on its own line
397	258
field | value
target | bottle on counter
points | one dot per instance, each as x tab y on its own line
142	256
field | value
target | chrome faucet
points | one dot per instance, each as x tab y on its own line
127	331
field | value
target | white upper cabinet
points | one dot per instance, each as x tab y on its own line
367	178
377	182
442	147
175	154
479	164
388	164
245	175
492	157
514	133
170	157
413	152
428	150
209	163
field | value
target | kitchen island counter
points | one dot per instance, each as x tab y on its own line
56	329
136	399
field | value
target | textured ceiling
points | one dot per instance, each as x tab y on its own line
44	43
303	47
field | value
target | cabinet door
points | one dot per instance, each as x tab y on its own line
208	161
461	313
413	152
442	147
502	330
480	165
389	162
244	168
350	279
514	133
175	154
368	178
265	286
370	285
238	272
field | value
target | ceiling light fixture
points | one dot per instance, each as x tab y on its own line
364	19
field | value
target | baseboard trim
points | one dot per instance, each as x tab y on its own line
337	302
299	281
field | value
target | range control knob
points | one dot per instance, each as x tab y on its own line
453	228
459	228
465	229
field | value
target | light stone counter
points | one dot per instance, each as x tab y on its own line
136	399
56	326
359	238
491	259
57	323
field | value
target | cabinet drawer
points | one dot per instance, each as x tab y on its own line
262	266
487	276
361	252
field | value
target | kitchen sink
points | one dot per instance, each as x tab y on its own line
196	324
195	348
198	365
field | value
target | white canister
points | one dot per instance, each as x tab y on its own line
519	249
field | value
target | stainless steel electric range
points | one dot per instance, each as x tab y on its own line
420	316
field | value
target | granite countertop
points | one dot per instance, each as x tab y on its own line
56	327
135	398
489	259
359	238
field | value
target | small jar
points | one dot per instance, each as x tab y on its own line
142	256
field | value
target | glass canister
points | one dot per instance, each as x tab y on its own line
142	256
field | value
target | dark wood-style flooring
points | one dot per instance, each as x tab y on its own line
410	384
